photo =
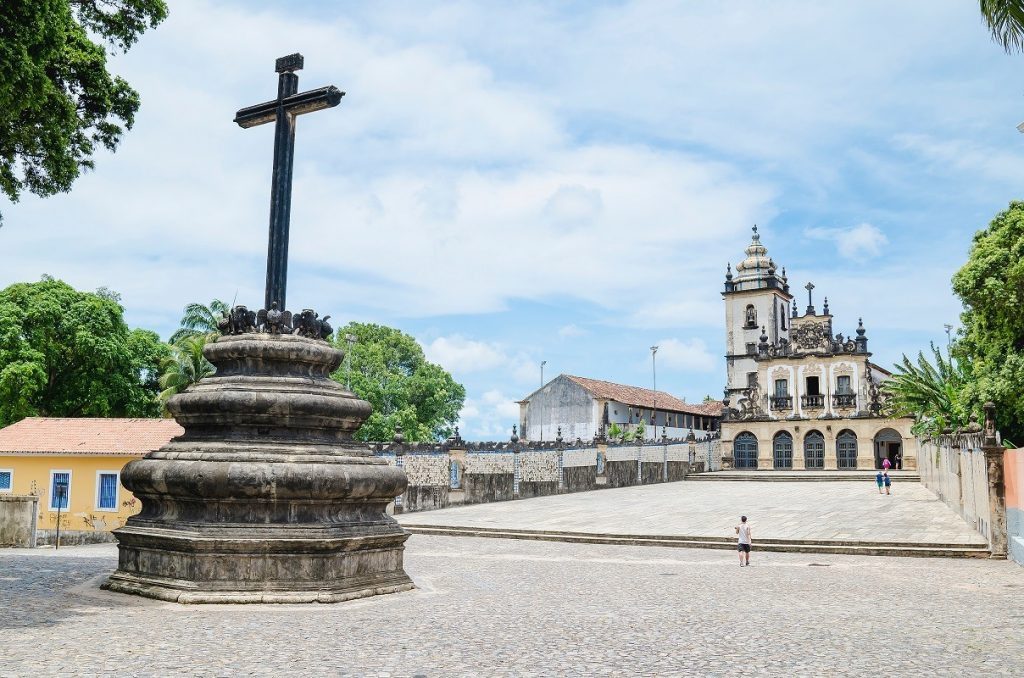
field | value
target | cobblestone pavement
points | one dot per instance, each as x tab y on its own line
503	607
777	510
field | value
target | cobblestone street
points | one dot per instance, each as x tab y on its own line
503	607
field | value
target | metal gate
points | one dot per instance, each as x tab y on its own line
782	450
814	450
744	450
846	450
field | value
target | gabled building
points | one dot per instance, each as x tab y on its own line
586	408
799	395
85	456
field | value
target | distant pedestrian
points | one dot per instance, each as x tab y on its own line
898	460
888	483
879	481
744	541
886	464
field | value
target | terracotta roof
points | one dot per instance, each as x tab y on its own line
644	397
116	437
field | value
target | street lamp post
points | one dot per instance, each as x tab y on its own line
949	340
351	339
654	378
543	410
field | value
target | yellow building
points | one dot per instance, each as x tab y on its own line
39	454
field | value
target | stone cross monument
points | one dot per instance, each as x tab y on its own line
266	497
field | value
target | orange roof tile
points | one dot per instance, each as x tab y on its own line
87	436
644	397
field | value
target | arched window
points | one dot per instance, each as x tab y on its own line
846	449
814	450
744	450
782	450
751	316
782	315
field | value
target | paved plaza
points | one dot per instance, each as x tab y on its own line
777	510
504	607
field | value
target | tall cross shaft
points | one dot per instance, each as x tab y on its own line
282	111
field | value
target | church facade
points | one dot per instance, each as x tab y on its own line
798	394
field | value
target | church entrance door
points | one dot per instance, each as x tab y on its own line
782	450
744	451
814	450
888	445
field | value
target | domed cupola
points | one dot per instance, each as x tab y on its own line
757	267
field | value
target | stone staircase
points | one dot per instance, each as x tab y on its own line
803	476
827	546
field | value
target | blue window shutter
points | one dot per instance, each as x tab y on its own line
5	480
108	491
57	479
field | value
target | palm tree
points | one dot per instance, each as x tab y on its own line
200	320
931	394
1005	19
186	366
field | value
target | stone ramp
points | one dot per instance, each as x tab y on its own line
804	517
802	476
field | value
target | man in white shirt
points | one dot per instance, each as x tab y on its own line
744	541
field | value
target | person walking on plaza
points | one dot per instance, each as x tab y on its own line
743	541
888	482
886	464
879	481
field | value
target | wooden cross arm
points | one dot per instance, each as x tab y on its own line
296	104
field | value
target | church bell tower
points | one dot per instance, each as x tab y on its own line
757	302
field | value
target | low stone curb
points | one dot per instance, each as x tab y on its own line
843	547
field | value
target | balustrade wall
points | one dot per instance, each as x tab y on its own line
498	472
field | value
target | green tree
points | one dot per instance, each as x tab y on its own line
185	366
57	99
200	320
1005	20
930	393
991	341
389	370
66	353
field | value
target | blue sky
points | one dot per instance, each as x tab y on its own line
517	182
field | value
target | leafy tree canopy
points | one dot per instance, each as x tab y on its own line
65	353
991	286
57	99
389	370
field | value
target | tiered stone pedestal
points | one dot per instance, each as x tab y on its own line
265	498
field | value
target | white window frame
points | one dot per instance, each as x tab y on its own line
11	488
49	490
117	490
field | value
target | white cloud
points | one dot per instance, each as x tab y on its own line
685	355
856	241
489	417
458	354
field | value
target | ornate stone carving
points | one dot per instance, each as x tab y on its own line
309	324
240	320
274	321
811	336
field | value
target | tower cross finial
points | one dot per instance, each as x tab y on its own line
282	111
810	301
